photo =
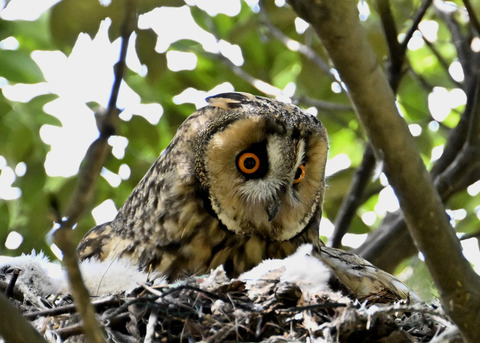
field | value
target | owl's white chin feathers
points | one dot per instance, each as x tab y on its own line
255	219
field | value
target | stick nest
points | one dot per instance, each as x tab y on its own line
216	309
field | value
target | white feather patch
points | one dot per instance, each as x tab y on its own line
40	277
308	272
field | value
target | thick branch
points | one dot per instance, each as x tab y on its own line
339	29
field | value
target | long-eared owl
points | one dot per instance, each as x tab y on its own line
242	181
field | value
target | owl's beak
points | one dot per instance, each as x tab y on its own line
272	208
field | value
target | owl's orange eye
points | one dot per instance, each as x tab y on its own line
300	174
248	163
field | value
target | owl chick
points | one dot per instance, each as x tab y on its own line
241	181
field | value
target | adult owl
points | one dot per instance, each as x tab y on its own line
241	181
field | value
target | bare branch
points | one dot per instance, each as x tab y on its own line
269	89
391	243
396	54
461	42
388	245
416	20
323	105
354	197
472	16
297	46
442	62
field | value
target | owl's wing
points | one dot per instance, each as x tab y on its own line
366	281
96	242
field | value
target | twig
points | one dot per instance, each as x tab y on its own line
396	53
269	89
472	16
416	20
322	104
77	329
460	133
467	161
462	153
461	42
473	138
470	235
110	301
294	45
382	246
69	331
442	61
354	198
296	309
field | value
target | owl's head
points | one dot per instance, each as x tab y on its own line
261	165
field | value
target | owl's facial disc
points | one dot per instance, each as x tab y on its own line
268	180
264	181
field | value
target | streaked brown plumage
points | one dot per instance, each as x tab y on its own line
241	181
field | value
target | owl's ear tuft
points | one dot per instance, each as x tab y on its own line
228	101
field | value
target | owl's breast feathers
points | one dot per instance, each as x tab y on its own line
170	223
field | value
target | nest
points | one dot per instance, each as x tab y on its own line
217	309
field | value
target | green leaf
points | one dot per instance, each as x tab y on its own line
145	46
17	66
69	18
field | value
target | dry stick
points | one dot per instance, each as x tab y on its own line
70	308
152	322
11	285
338	26
63	238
